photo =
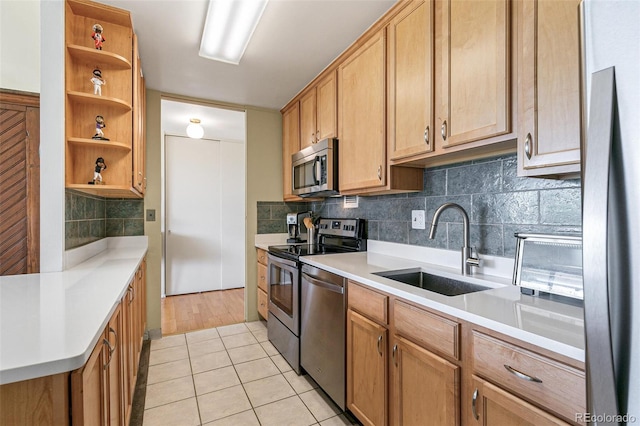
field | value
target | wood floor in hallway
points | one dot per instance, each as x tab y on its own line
197	311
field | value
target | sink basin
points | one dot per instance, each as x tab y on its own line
435	283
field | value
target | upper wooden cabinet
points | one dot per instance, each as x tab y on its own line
410	76
139	133
318	111
114	101
361	116
290	145
549	113
473	71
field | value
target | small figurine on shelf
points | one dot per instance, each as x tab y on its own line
98	82
99	126
97	36
97	176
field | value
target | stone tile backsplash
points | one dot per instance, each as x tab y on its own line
89	218
498	202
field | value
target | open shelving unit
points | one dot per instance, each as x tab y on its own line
116	61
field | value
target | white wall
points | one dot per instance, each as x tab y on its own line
20	45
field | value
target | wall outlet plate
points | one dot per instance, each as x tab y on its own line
151	215
417	219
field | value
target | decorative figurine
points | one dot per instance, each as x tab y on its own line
98	82
97	36
97	176
99	126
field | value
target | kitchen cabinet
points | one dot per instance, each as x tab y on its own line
473	71
114	103
263	299
361	116
556	387
366	369
290	145
426	387
410	74
97	388
549	88
139	120
318	111
494	406
363	166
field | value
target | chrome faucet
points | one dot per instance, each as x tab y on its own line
467	259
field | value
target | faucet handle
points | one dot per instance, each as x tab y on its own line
473	261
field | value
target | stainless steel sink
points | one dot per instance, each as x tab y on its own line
435	283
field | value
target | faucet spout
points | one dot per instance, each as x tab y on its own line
467	260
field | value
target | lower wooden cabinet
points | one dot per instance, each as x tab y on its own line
89	396
263	298
426	387
366	369
494	406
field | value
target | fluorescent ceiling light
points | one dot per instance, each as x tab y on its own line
229	27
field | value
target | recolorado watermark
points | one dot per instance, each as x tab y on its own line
605	418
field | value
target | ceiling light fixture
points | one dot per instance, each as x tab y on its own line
229	27
194	129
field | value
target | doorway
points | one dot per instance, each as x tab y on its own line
203	214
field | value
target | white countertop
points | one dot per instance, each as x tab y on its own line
555	326
263	241
50	322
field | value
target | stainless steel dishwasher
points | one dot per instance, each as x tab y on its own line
322	330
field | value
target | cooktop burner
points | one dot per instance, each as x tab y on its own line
334	236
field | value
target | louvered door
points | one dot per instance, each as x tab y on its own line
19	184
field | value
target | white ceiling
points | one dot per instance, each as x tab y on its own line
218	123
294	41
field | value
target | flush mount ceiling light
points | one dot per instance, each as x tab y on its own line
194	129
229	27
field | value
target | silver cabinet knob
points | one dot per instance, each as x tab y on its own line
443	130
380	173
426	135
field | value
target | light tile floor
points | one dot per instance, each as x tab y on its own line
231	375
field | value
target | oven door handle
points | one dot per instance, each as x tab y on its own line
331	287
275	259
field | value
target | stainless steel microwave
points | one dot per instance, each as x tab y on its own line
315	170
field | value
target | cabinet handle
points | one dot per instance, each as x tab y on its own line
115	345
521	375
106	342
393	355
426	135
527	146
379	172
130	291
313	138
443	130
318	136
379	342
474	401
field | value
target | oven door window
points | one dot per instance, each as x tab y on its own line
281	282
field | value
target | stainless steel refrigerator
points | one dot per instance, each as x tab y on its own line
611	210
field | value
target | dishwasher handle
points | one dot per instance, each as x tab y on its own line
331	287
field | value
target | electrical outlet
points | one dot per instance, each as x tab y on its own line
151	215
417	219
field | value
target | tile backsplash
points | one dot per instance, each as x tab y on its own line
498	202
89	218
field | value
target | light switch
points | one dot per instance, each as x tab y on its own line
417	219
151	215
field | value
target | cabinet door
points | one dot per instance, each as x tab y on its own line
114	369
139	179
263	304
89	393
549	114
416	374
366	369
473	99
326	107
308	129
494	406
290	145
361	116
411	81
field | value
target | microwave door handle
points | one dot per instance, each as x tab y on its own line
316	163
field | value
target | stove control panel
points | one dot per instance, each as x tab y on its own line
352	228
